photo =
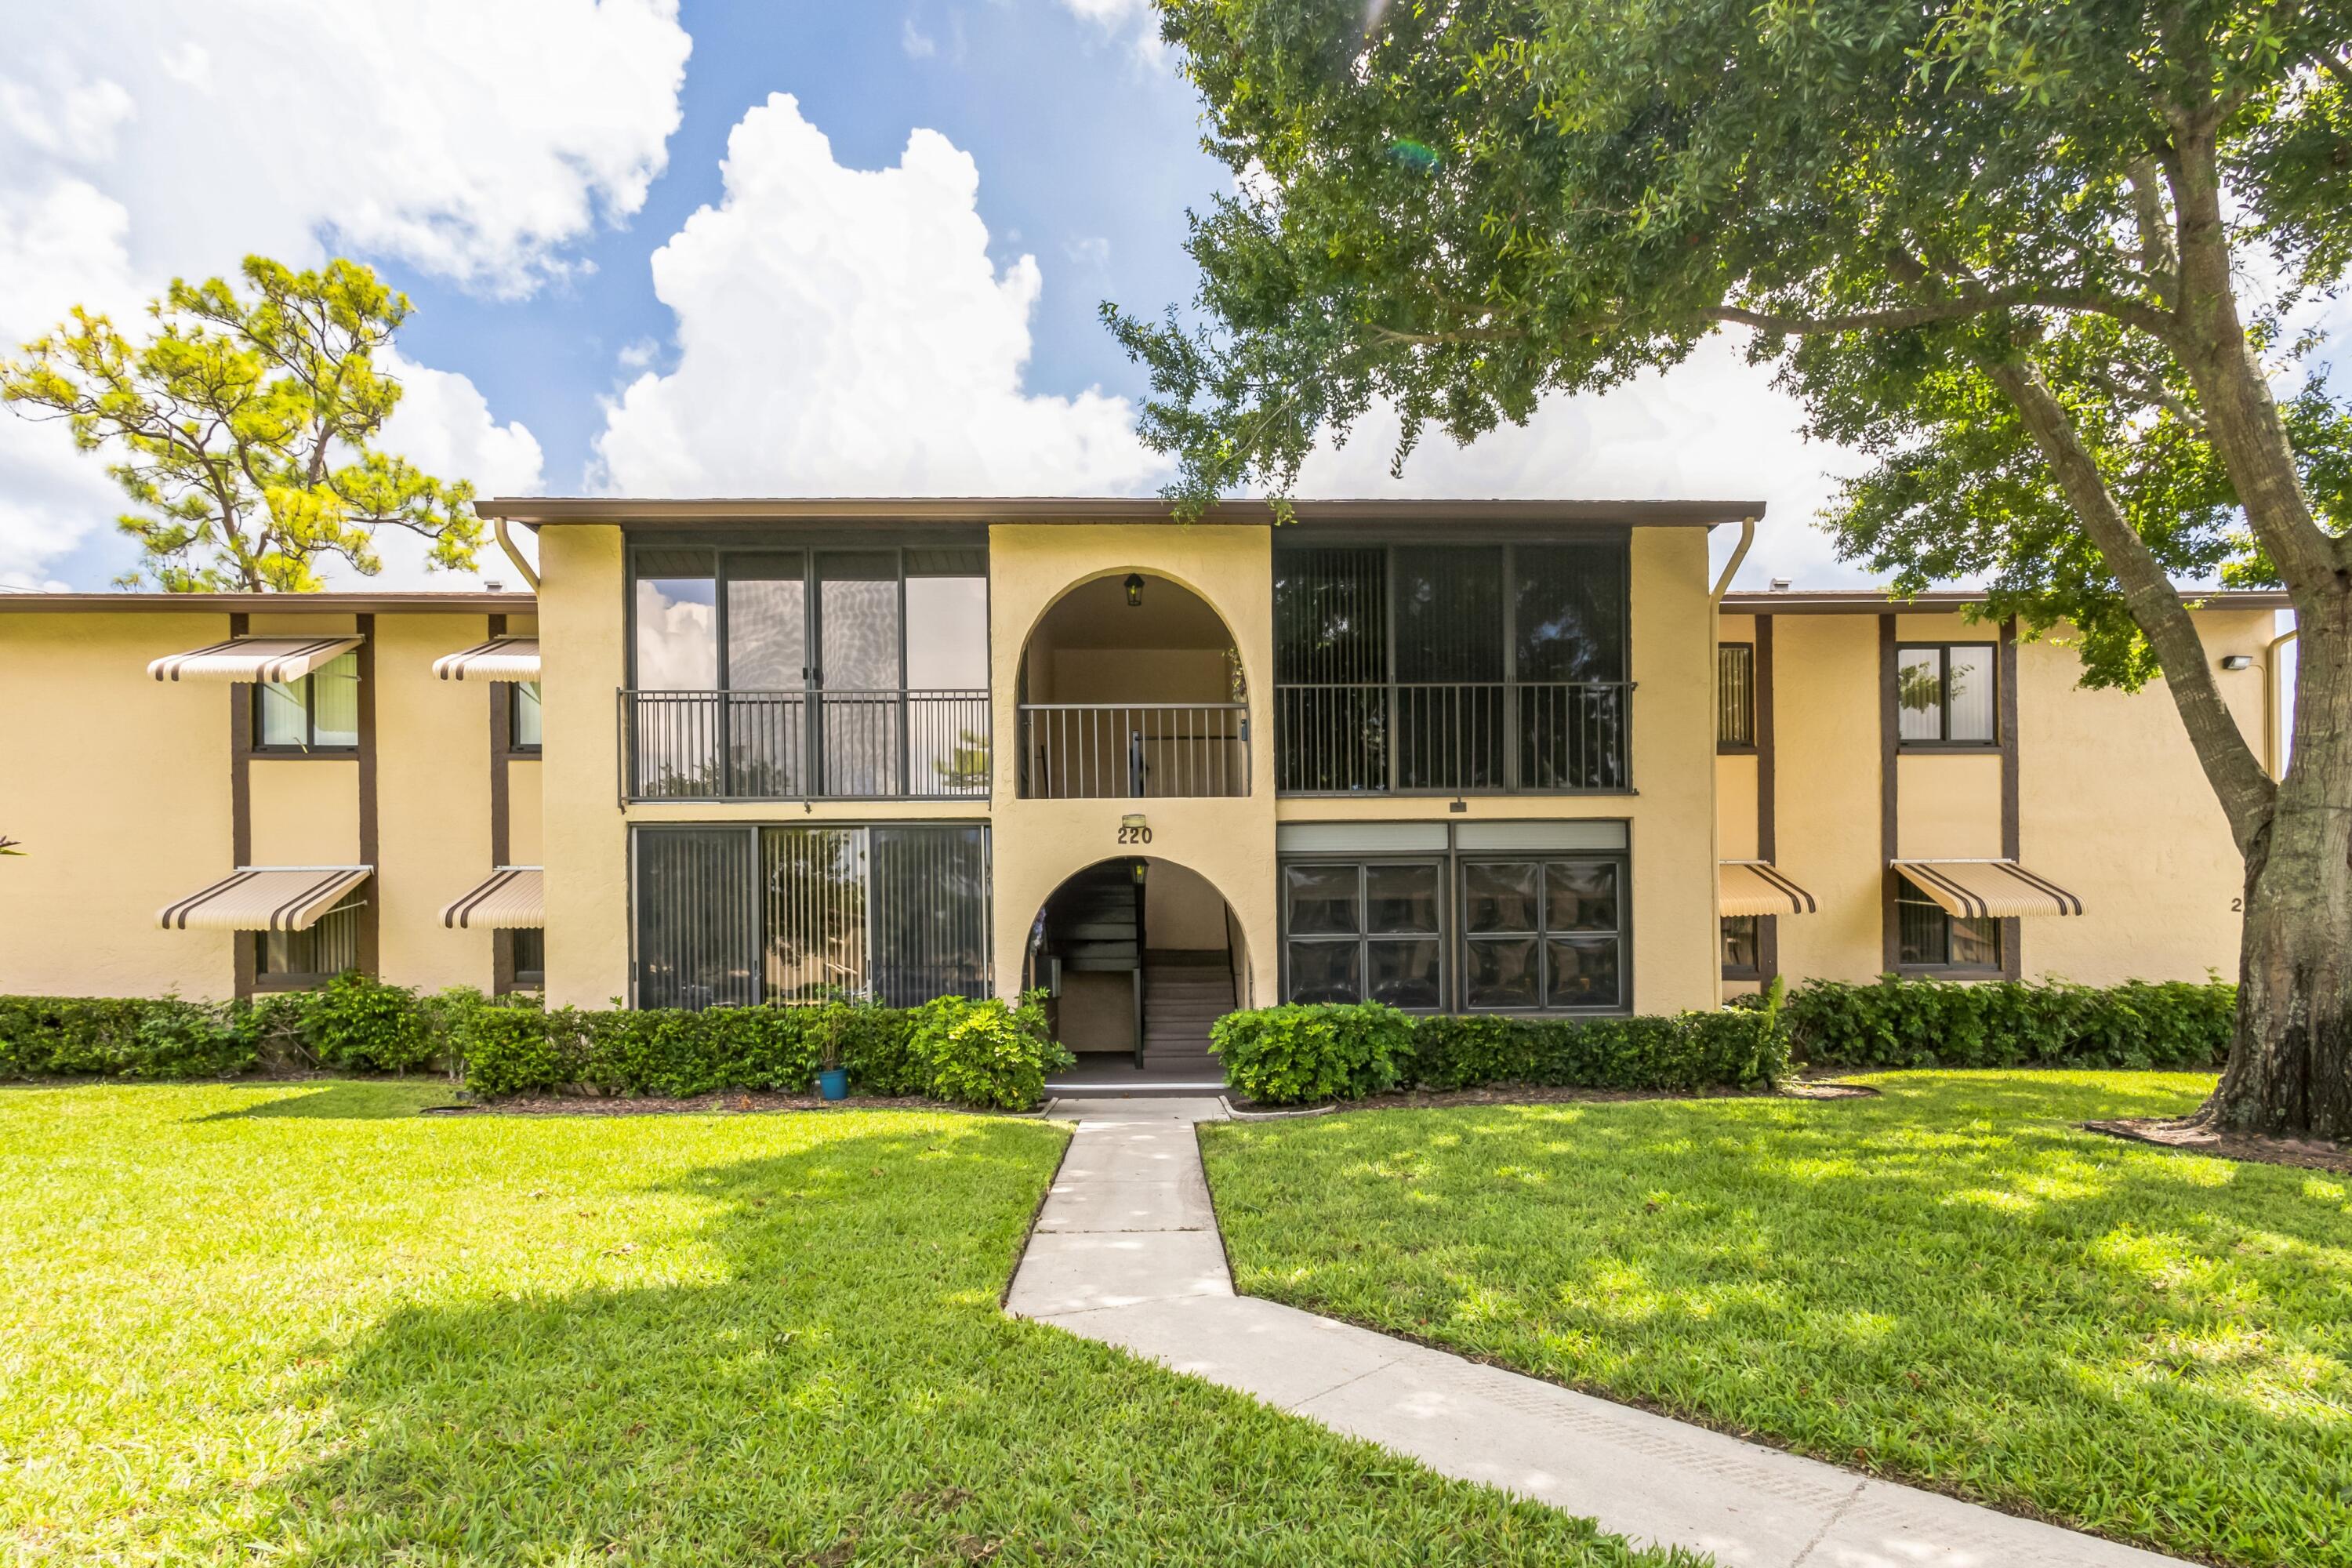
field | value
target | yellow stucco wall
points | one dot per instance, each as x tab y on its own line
1948	805
585	837
525	818
118	787
1825	788
1676	950
306	812
1734	806
2113	807
1036	844
433	800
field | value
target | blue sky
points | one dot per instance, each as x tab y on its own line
794	247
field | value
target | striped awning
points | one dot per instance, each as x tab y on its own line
501	659
1757	887
1975	890
252	658
265	898
513	897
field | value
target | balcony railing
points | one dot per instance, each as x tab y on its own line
1401	736
1134	750
803	745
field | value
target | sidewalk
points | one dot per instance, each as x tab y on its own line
1126	1252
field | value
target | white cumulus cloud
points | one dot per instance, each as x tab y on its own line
845	331
140	141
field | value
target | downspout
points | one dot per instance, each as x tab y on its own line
1730	567
529	575
2273	740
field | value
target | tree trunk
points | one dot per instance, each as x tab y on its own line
2290	1067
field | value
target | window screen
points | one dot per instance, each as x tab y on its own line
1541	935
1365	932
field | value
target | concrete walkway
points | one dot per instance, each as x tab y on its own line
1126	1252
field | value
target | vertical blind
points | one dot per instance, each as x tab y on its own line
733	916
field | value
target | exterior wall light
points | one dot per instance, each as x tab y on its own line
1134	590
2237	661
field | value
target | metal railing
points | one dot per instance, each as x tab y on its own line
1401	737
804	745
1134	750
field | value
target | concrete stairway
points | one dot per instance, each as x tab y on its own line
1184	992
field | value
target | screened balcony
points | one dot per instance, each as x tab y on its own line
1131	689
1451	670
797	674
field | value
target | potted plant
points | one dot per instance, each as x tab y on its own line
832	1079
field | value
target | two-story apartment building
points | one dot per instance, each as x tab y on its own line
1506	756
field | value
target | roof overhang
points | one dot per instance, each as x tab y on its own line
465	603
1950	601
539	512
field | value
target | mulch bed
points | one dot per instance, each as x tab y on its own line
1535	1094
696	1105
2303	1153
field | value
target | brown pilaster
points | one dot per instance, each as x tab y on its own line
1890	729
1767	930
372	910
502	963
240	803
2012	936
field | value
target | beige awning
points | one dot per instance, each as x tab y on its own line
514	898
501	659
1757	887
265	898
252	658
2001	890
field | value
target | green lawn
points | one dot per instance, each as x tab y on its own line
298	1323
1947	1284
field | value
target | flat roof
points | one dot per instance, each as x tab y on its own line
543	510
465	603
1937	601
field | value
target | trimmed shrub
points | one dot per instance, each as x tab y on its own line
984	1054
1286	1055
1299	1052
356	1022
126	1037
1903	1022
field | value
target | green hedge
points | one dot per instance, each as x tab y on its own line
1894	1022
970	1053
1291	1055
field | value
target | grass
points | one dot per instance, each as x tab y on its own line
301	1324
1946	1285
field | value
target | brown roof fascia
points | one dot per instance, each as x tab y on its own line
466	604
1946	601
543	510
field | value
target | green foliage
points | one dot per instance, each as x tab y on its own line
242	428
1452	212
1292	1054
105	1036
1297	1052
356	1022
985	1054
1896	1023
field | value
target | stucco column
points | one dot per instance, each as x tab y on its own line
582	624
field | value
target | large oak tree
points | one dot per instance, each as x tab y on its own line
2038	261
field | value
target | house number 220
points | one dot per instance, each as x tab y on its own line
1135	835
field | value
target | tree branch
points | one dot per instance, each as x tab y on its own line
2237	775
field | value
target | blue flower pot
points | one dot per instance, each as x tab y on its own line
834	1083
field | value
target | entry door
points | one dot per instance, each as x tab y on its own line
861	653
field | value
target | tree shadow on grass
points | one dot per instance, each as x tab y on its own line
1949	1283
834	1382
342	1100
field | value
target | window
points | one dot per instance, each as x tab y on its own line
1944	694
1539	934
300	959
1735	696
1929	938
319	712
1365	932
1742	947
522	716
734	916
530	953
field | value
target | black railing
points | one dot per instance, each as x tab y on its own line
1134	750
1502	736
801	745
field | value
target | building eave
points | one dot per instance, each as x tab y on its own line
453	604
1948	601
540	511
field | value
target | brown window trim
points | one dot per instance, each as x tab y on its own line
309	726
1991	744
514	748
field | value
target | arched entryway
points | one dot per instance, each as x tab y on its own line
1140	956
1131	686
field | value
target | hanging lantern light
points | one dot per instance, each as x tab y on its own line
1134	590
